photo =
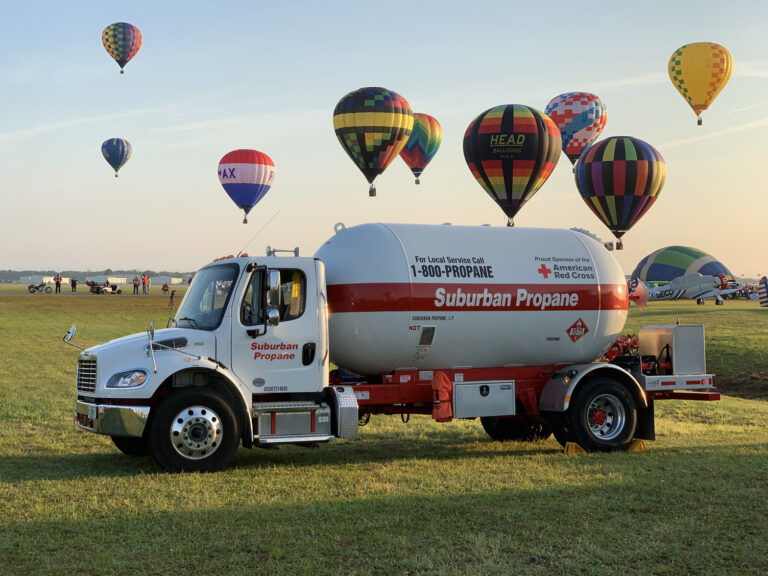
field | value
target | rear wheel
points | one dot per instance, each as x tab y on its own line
520	428
32	289
131	446
194	430
603	416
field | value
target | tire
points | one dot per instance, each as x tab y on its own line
131	446
603	416
119	291
194	430
48	290
32	289
518	428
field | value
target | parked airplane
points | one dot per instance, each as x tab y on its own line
691	286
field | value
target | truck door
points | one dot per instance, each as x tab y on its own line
283	358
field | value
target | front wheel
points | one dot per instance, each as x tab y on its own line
131	446
603	416
48	290
194	430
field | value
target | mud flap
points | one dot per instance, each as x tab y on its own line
442	394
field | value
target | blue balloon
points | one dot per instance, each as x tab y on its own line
117	152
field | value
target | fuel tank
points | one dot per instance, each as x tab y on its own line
429	297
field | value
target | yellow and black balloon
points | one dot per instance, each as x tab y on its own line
372	125
700	71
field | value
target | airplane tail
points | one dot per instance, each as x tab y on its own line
762	291
638	293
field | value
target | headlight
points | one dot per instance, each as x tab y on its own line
130	379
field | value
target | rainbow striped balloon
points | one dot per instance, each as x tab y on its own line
246	175
511	150
422	145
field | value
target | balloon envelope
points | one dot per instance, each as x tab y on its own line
700	71
122	41
666	264
246	175
372	125
580	117
511	150
620	178
117	152
423	143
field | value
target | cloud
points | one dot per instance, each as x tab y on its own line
709	135
30	131
640	80
751	69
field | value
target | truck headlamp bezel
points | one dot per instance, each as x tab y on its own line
128	379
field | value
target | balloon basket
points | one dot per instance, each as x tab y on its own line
245	219
122	71
115	174
417	181
699	121
372	191
619	245
510	223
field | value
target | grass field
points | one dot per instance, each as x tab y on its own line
416	498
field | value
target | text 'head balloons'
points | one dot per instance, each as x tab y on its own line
580	117
122	41
246	175
620	178
511	150
372	125
116	152
700	71
423	143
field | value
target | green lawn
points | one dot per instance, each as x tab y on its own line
416	498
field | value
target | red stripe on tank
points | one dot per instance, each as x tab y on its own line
407	297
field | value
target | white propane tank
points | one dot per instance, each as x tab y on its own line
428	297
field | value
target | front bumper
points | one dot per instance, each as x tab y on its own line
111	420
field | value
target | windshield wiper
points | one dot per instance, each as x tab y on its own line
190	320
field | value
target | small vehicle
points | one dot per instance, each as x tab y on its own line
106	288
43	287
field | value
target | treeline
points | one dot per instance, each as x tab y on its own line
8	276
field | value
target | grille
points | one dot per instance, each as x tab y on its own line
86	376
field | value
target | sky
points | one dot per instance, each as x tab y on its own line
212	77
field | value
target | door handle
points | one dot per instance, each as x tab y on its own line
308	353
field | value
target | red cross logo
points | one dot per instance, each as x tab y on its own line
544	271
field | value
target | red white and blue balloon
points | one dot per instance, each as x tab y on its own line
246	175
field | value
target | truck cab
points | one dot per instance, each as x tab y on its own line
246	359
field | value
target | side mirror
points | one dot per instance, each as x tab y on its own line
70	334
273	316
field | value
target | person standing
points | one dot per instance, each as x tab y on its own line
143	283
73	283
57	280
135	285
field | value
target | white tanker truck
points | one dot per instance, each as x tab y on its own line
501	324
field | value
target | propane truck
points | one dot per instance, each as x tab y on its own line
507	325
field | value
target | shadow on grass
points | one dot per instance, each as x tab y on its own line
649	521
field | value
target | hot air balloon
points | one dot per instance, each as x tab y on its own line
372	125
246	175
580	117
122	41
666	264
511	151
117	152
422	145
700	71
620	178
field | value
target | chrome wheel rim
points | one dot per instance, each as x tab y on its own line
196	432
606	417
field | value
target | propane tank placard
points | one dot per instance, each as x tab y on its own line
451	267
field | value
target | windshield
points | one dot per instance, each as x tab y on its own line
205	301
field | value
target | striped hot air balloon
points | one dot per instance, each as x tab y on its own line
762	291
620	178
246	175
372	125
580	117
511	150
422	145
